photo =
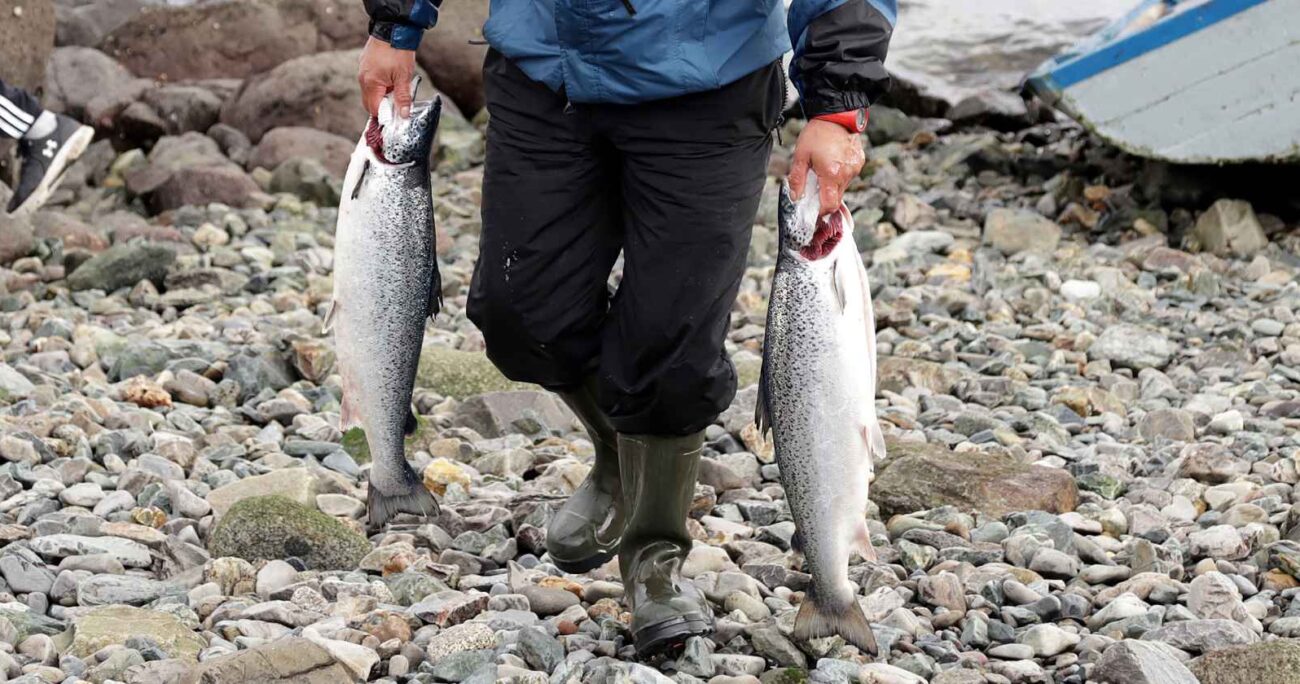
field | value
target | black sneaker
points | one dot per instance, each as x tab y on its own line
45	160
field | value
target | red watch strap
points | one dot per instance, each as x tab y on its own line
854	120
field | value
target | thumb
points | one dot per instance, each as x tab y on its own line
402	94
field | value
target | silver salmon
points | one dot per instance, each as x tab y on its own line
386	284
817	396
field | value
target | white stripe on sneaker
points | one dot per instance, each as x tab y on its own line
16	111
8	129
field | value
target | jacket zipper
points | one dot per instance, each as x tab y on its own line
780	115
627	5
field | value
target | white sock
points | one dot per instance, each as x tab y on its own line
43	126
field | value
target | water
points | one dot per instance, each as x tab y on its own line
956	47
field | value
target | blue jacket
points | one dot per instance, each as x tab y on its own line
627	51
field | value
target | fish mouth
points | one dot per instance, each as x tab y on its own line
829	232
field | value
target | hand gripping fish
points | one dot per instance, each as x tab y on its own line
817	396
386	283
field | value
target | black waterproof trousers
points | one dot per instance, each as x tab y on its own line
674	184
18	110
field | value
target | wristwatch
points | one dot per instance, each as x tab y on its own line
855	120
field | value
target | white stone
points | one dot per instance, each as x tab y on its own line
1080	289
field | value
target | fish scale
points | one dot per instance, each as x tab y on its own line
817	397
386	285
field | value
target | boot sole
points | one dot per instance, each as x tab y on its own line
577	567
70	153
669	635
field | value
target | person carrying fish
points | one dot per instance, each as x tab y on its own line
641	127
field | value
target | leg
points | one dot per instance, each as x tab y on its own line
693	173
551	233
47	142
18	111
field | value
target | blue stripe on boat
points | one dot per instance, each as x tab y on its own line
1158	35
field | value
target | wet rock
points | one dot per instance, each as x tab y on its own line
271	527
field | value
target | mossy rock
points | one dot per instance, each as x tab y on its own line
354	440
273	527
108	625
459	374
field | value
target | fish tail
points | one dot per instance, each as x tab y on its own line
381	507
819	617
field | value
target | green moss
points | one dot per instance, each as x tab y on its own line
459	374
354	442
271	527
785	675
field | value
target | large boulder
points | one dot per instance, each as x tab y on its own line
454	64
103	627
498	413
460	374
84	23
922	476
16	238
123	265
291	660
190	169
1230	228
273	527
316	91
1274	662
279	145
232	39
26	40
75	75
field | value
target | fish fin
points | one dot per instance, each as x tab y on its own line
416	500
762	418
435	288
412	423
819	618
796	542
361	178
838	286
328	325
862	541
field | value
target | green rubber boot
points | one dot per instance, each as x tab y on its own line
585	532
659	483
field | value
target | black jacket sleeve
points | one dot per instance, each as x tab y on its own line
401	23
839	57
